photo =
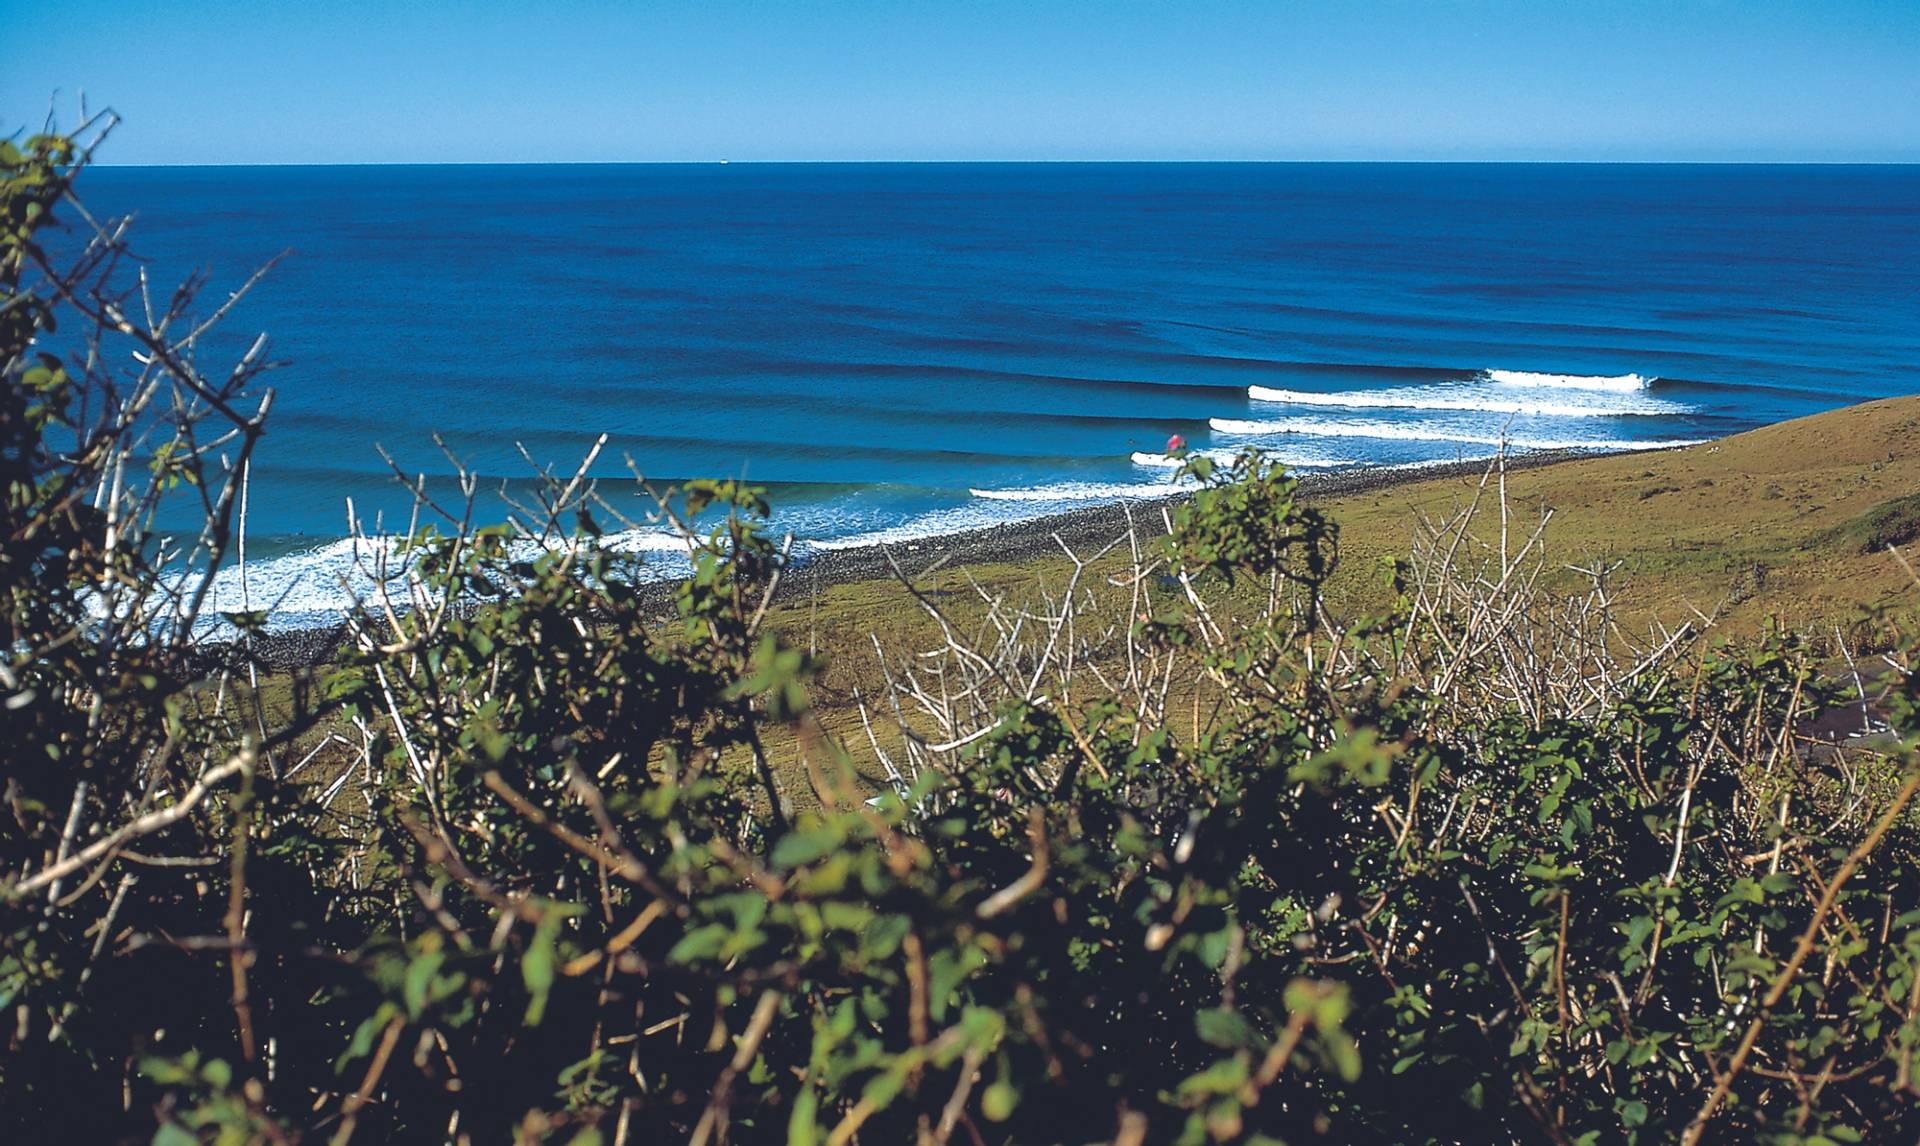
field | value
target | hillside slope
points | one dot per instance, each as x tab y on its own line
1790	520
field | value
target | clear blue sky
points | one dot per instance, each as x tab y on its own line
271	81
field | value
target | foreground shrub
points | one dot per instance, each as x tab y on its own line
1479	869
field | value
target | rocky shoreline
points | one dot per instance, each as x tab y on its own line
1013	542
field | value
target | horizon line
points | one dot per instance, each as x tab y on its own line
725	162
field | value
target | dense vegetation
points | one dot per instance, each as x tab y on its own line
1476	869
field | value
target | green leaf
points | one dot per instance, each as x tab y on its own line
420	974
886	934
804	845
250	621
701	943
536	966
1223	1077
1225	1028
998	1101
802	1124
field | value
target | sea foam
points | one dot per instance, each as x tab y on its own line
1482	399
1221	457
1617	383
1415	432
313	588
971	515
1081	491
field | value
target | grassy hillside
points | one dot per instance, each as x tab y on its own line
1791	520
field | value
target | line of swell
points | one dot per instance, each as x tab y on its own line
1081	491
1168	461
483	422
1291	366
774	365
1392	431
725	454
1615	383
1454	400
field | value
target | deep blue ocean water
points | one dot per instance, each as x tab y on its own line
905	349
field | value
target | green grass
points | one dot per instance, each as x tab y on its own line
1790	521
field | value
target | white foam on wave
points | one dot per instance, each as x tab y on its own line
1436	463
1466	399
305	587
314	587
1617	383
1082	491
1413	432
1222	457
991	508
648	541
981	514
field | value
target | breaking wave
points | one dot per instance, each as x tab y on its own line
1167	461
312	588
1617	383
963	518
1467	399
1404	432
1081	491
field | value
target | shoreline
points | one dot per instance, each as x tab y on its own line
1007	543
1030	538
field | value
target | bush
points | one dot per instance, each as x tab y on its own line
1480	869
1893	523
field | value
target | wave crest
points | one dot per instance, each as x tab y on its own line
1616	383
1463	399
1402	432
1081	491
314	588
1220	456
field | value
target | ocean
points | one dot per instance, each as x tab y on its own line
898	350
